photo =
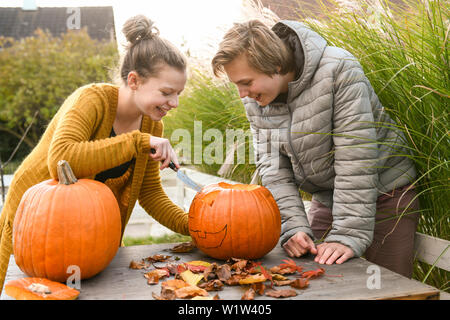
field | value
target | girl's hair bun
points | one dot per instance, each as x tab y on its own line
146	52
139	28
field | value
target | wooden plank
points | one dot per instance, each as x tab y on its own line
432	295
345	281
428	249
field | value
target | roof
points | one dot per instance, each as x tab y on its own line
18	23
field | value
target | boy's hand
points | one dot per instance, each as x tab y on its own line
299	244
329	252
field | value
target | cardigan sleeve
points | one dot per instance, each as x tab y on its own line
72	140
157	204
155	201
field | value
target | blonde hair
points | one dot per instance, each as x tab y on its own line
265	51
146	52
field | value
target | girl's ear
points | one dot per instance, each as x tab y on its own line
133	80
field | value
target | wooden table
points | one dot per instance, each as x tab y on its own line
119	282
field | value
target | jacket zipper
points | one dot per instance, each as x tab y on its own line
299	164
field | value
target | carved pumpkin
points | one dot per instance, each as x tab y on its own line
66	227
239	221
39	289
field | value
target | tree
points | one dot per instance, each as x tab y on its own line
37	74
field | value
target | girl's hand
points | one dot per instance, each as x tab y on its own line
299	244
328	252
163	151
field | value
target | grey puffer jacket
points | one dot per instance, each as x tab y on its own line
332	138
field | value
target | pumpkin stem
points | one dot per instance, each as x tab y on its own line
65	173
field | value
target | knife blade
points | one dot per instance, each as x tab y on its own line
182	176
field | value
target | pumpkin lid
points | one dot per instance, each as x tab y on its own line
39	289
210	192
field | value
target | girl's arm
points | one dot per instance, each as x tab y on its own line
72	139
157	204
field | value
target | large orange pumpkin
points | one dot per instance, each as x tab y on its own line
234	220
66	223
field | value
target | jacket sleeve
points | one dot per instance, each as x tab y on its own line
155	201
72	139
277	176
356	155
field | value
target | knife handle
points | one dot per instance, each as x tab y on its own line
171	164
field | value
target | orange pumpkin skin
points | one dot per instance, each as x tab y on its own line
234	221
58	225
19	290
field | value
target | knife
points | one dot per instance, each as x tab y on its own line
183	177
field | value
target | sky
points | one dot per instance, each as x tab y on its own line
200	24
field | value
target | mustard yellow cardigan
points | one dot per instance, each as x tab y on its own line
79	133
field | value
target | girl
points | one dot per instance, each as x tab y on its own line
315	119
106	132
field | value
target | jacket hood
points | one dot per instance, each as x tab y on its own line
308	48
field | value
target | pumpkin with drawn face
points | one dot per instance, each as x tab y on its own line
234	221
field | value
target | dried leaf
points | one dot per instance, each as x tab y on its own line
239	264
210	272
253	279
181	268
311	274
195	268
216	297
157	258
212	285
174	283
300	283
248	295
281	293
137	265
183	247
278	277
283	270
280	283
167	293
223	272
288	267
173	268
189	277
259	287
154	275
199	263
266	274
203	298
234	279
156	297
291	263
190	292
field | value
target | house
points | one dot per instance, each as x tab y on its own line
21	22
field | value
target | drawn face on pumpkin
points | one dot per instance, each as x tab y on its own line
240	221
